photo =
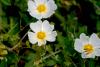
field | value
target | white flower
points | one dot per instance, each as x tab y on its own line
41	8
42	32
88	46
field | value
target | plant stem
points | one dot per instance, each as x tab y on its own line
51	54
10	49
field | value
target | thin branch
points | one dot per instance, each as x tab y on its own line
51	55
73	62
48	56
10	49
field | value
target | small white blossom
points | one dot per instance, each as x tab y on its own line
42	32
89	47
41	8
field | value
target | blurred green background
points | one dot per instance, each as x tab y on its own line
71	18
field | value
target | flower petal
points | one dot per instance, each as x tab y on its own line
97	52
40	43
31	5
52	4
84	38
47	27
52	36
36	27
48	13
51	7
36	15
32	37
88	56
78	45
94	39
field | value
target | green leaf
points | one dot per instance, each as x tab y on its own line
98	11
98	25
12	58
91	63
30	57
30	64
50	62
14	26
3	63
6	2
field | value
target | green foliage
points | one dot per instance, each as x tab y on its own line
14	25
3	63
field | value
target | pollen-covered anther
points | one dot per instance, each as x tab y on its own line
41	35
88	48
41	8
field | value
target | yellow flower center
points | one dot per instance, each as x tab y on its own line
41	35
41	8
88	48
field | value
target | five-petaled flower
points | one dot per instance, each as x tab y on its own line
41	8
42	32
88	46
